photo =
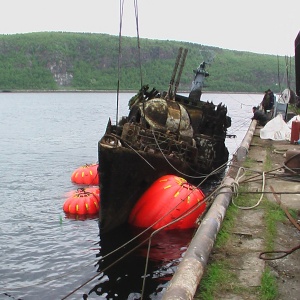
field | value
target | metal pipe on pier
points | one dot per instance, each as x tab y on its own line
185	281
242	151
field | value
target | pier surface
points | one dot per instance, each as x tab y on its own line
268	161
248	237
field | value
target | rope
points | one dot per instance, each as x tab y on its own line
272	255
138	39
140	155
158	230
294	222
260	199
270	172
239	125
241	103
259	173
157	221
103	270
281	151
191	210
119	57
276	193
208	199
178	171
277	254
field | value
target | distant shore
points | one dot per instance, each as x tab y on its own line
112	91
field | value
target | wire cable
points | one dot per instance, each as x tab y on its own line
119	57
138	39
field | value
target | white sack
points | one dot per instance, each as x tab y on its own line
276	129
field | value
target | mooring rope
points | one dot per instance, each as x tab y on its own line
260	199
277	254
191	210
208	199
138	39
119	57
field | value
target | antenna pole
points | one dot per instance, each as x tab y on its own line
180	70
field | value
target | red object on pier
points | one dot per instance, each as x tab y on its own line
168	198
83	202
87	174
295	133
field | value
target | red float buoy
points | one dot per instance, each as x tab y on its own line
87	174
83	202
168	198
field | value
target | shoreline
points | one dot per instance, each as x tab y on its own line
114	91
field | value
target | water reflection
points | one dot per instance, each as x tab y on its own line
146	264
122	272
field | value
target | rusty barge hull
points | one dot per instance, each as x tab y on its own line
163	134
127	172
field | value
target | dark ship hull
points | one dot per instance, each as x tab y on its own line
162	135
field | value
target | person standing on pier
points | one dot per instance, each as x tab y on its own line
268	101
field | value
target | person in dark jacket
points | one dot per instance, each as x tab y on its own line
268	101
259	116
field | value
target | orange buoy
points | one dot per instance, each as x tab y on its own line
83	202
168	198
87	174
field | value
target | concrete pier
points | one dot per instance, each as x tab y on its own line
283	190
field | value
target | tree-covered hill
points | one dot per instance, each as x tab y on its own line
84	61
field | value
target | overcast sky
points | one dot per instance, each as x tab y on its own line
260	26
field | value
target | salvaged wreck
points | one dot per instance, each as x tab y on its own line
164	133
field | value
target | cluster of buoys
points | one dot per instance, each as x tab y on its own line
85	201
170	198
170	202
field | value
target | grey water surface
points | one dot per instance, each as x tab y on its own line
44	137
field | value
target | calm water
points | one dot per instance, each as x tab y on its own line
44	138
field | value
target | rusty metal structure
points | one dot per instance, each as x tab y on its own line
164	133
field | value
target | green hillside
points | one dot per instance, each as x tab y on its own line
83	61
